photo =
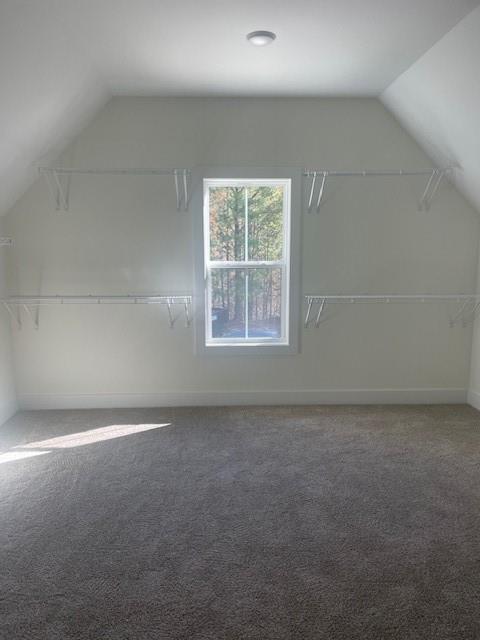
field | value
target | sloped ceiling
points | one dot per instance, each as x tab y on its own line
438	101
48	93
60	60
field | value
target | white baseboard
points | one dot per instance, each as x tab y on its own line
228	398
473	399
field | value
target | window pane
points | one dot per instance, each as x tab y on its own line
227	223
264	303
265	223
228	303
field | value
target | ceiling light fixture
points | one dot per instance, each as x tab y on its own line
261	38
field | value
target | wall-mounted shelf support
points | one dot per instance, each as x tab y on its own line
182	177
470	304
431	189
31	305
14	315
6	242
34	315
58	181
435	177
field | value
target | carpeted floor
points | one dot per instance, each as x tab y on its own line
278	523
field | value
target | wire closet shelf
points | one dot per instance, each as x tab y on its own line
58	181
15	304
317	304
318	178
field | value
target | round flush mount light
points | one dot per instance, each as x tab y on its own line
261	38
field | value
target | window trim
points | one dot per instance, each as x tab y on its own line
292	332
244	265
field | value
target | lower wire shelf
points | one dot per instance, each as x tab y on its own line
15	304
317	304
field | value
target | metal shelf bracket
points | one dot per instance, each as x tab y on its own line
324	175
14	314
59	187
431	189
182	178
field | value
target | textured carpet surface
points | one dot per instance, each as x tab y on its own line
271	523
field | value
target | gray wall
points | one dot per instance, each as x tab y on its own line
124	235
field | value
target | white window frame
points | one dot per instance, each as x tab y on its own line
246	265
291	298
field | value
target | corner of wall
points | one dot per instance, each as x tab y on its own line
473	395
8	397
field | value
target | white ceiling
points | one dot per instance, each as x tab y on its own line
324	47
61	59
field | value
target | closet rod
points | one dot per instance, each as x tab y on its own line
98	299
387	297
377	172
117	172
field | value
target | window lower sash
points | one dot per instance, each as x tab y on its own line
260	299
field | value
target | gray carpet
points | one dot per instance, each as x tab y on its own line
255	523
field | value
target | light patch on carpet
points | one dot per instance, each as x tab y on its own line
12	456
92	436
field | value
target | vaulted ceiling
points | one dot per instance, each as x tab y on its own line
60	61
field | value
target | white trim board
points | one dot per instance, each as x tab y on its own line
213	398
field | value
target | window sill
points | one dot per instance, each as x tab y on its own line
251	349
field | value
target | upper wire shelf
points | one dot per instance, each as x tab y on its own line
435	177
58	181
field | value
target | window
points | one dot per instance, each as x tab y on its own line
247	261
